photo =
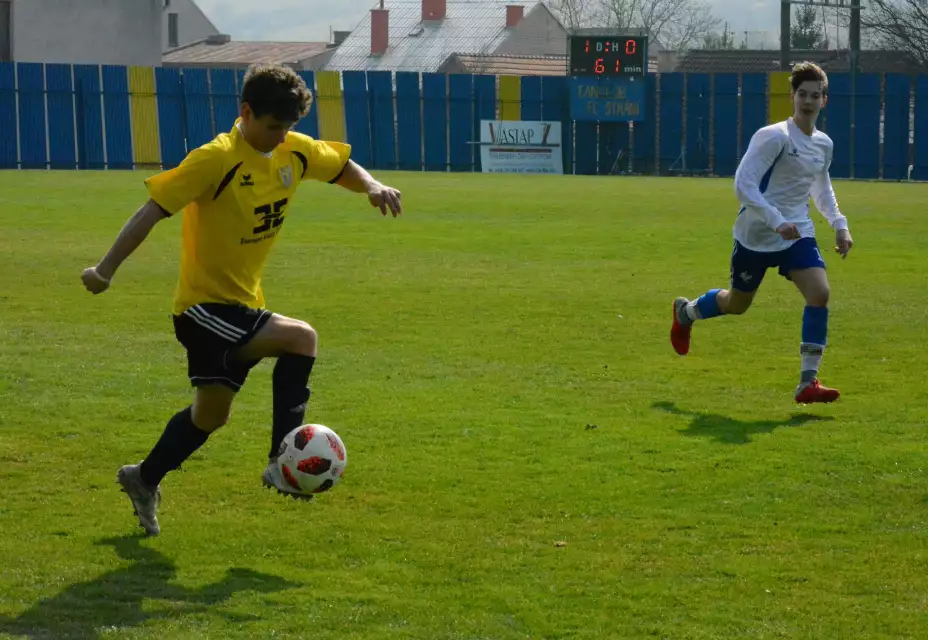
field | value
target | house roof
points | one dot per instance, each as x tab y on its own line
752	60
469	26
506	64
511	64
234	53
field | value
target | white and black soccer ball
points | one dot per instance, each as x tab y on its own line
312	459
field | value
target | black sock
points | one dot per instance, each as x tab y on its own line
291	393
178	442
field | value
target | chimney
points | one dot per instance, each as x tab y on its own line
514	14
380	31
434	9
340	36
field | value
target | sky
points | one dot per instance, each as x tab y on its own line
289	20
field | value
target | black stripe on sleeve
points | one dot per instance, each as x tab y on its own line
165	212
340	173
225	181
303	161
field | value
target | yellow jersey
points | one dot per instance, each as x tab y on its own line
234	200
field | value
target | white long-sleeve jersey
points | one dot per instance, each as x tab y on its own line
782	168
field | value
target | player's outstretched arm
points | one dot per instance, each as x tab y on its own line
97	279
327	161
823	194
356	178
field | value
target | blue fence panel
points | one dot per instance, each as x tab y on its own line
66	116
197	112
896	141
671	122
613	148
753	106
586	148
32	115
555	107
531	98
409	121
8	151
383	128
357	117
224	98
90	148
62	150
869	95
698	118
172	125
460	122
920	170
434	109
645	131
240	83
839	123
725	116
310	124
484	109
117	117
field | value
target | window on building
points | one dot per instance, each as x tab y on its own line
172	31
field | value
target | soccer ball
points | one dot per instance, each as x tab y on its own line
312	459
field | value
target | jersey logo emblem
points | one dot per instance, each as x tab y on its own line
286	176
246	180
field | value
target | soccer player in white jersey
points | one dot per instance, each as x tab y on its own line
785	164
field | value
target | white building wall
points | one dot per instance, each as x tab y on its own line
538	34
124	32
192	24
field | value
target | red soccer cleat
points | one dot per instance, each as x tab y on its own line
679	332
815	392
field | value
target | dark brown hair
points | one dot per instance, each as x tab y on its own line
808	72
276	90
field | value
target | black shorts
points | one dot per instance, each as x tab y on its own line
209	332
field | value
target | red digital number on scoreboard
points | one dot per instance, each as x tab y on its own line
607	56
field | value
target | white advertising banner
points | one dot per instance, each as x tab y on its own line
515	146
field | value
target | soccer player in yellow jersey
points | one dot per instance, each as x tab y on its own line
235	193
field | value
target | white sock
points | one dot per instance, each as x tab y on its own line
691	311
811	355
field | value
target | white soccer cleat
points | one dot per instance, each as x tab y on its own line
273	479
145	500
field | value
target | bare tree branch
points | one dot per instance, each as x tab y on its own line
899	25
572	13
719	41
677	24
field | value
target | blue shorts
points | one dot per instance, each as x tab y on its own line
748	267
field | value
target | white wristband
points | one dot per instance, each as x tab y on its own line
101	278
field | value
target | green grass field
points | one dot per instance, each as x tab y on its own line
467	349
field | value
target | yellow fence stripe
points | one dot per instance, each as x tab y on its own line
143	106
331	106
510	97
781	105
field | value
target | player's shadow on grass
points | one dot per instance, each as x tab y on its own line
732	431
131	596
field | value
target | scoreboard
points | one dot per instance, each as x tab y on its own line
608	56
